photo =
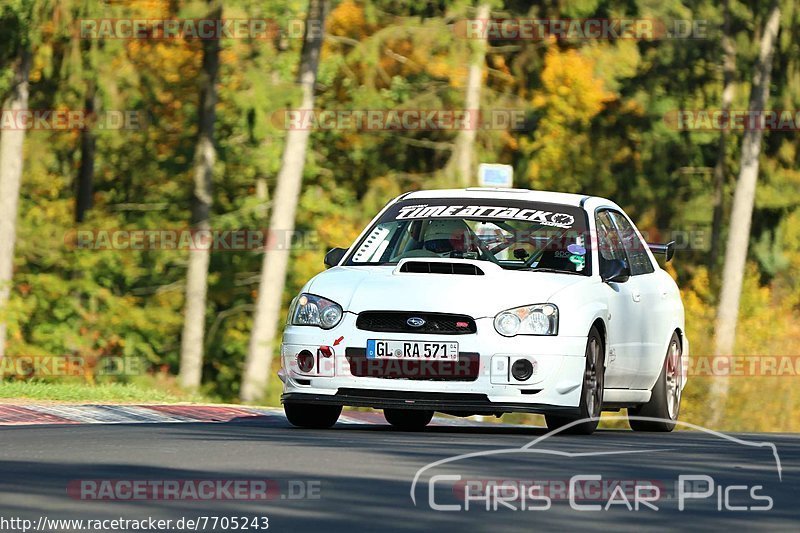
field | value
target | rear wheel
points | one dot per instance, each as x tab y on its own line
408	419
591	392
312	416
665	398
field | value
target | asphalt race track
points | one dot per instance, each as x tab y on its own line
360	475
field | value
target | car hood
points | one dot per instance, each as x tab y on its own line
364	288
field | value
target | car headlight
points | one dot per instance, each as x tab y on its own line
310	310
538	319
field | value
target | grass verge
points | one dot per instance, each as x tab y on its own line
99	393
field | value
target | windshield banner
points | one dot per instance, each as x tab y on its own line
545	218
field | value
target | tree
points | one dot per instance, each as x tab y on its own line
12	142
720	168
192	340
282	217
85	185
83	197
463	158
741	215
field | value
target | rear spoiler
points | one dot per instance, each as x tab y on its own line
668	250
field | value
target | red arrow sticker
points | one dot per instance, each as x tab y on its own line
337	341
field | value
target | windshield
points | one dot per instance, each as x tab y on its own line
515	235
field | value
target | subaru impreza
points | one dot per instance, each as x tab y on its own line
490	301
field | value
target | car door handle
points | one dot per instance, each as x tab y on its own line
637	297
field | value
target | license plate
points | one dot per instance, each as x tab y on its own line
426	351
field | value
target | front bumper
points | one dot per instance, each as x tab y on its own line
445	402
554	387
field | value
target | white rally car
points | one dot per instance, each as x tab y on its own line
489	301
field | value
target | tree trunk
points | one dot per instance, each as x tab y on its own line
284	205
720	169
11	157
462	161
191	366
741	215
83	199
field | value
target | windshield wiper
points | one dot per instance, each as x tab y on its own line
552	270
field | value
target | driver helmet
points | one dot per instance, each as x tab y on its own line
447	236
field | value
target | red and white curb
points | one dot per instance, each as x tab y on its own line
34	414
42	414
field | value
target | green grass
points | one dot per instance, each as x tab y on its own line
101	393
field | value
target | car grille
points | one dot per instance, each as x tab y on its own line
451	397
397	322
465	369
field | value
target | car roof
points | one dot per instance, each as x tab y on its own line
500	193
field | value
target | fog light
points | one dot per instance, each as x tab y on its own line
522	369
305	361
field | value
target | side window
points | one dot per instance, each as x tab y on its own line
608	242
635	248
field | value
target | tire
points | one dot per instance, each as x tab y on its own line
408	419
312	416
665	397
591	404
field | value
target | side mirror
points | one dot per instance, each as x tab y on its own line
615	270
667	249
334	257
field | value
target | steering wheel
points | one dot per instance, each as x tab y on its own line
488	255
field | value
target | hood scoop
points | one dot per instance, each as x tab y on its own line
440	267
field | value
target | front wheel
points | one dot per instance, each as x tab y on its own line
591	392
665	398
408	419
312	416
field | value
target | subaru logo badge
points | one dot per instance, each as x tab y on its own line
415	322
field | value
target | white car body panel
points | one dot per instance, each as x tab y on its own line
637	317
